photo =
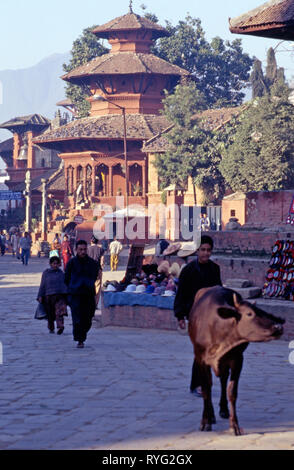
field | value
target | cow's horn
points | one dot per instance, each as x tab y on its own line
236	302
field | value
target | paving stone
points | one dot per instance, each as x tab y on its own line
128	389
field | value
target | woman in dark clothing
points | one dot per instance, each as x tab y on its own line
198	274
53	294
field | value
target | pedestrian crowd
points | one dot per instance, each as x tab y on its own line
19	243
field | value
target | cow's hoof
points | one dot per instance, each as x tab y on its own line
224	414
236	430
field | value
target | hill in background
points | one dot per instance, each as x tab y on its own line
36	89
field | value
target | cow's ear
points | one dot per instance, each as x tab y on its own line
226	312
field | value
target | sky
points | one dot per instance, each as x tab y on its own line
32	30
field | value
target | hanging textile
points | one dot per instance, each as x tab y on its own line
290	218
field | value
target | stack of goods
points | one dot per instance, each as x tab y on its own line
154	279
280	275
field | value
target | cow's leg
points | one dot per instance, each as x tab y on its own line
208	417
223	404
236	367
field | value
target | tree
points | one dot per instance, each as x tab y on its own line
261	156
84	49
262	84
259	87
188	154
220	68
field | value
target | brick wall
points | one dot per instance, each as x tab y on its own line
258	209
241	268
139	317
247	243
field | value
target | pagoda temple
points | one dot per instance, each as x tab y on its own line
130	81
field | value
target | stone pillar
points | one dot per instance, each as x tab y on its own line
28	223
31	151
16	148
44	210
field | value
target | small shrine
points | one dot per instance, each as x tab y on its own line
26	156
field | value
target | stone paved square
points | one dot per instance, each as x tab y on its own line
128	389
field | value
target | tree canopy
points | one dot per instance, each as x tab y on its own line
84	49
261	156
262	83
188	154
221	69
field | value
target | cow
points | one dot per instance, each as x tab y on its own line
221	325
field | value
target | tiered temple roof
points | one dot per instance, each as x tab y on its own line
23	123
130	22
124	64
273	19
139	127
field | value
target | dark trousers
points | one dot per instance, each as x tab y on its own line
25	254
195	379
55	306
82	311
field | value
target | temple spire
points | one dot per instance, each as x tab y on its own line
131	6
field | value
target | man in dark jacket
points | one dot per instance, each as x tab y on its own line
196	275
80	276
96	252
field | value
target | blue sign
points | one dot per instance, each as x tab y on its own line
11	196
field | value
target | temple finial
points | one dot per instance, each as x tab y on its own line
131	6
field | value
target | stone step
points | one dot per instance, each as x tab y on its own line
247	292
238	283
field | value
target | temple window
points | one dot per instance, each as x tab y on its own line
79	174
101	173
70	180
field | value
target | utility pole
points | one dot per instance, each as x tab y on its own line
28	223
44	210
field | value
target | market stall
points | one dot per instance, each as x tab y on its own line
145	296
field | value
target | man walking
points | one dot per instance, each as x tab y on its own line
80	276
115	248
25	246
196	275
96	253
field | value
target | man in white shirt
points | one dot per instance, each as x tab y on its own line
115	248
